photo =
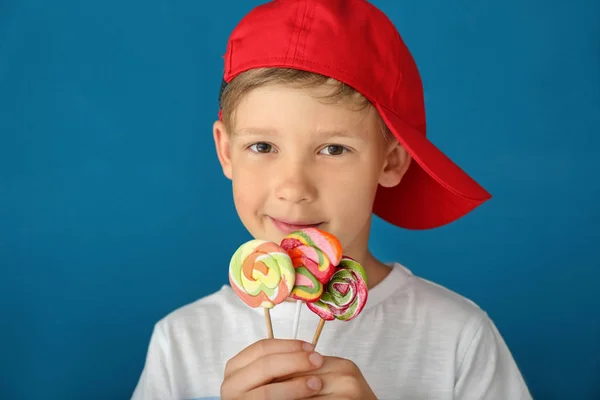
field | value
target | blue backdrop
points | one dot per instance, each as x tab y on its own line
114	212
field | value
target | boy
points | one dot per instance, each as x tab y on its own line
322	123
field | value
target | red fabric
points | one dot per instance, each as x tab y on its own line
354	42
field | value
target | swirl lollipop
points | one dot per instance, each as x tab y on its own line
344	296
261	274
314	254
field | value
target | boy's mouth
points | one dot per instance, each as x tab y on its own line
287	226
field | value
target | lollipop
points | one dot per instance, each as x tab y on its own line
314	254
261	274
344	296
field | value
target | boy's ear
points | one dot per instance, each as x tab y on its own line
222	144
396	164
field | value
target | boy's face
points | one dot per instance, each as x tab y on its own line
296	161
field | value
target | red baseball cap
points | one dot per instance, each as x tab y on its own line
354	42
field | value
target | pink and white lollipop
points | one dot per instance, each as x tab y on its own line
344	296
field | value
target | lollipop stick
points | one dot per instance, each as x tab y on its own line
296	319
268	320
318	332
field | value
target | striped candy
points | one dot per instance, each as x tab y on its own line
345	296
261	273
314	254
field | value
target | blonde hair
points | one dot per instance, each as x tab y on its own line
233	92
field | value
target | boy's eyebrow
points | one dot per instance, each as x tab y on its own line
256	131
340	133
274	132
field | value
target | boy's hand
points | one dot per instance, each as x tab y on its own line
253	373
341	379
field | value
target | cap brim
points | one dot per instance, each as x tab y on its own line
433	192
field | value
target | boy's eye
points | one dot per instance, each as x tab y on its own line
334	150
261	147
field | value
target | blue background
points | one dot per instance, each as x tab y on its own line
114	211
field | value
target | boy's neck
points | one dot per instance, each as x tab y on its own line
375	269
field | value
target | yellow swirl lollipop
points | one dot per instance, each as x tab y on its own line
261	274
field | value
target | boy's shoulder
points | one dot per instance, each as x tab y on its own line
412	294
205	310
441	309
447	299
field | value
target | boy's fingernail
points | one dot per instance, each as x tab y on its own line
308	346
314	383
316	359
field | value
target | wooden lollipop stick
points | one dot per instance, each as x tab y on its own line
318	332
269	325
296	319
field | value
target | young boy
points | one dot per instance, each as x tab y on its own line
322	124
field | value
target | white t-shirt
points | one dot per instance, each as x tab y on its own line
413	340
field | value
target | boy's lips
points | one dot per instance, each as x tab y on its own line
288	227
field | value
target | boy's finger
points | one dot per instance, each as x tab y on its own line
264	370
330	365
262	348
334	384
294	389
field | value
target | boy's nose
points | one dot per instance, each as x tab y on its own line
295	185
